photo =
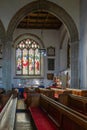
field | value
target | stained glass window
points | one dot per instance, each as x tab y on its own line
28	58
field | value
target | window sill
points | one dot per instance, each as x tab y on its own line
28	77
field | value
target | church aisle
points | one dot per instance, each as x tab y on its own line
23	121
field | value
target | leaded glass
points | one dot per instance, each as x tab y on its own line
18	61
28	60
37	62
31	62
25	61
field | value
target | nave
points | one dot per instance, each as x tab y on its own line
39	110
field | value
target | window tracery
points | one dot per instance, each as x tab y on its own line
28	58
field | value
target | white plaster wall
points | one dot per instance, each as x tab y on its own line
72	7
8	8
63	57
64	37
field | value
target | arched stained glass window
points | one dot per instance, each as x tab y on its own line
28	58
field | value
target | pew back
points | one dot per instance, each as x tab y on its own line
67	119
7	115
78	92
75	102
47	92
58	92
64	117
78	103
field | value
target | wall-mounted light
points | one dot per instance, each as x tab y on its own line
42	51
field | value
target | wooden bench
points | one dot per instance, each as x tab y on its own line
57	92
40	117
2	90
47	92
7	115
4	97
27	94
79	92
3	100
60	115
78	103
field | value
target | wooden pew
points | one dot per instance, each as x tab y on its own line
79	92
2	90
62	116
6	103
40	117
3	100
4	97
47	92
7	115
27	94
57	92
78	103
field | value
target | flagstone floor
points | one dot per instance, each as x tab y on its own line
23	121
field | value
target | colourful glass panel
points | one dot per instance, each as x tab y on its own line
37	62
28	58
31	62
18	61
25	61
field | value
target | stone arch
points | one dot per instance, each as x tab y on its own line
50	7
66	19
2	31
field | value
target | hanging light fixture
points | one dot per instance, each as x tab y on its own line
41	50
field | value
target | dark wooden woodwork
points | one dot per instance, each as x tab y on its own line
58	91
4	98
64	117
47	92
40	20
78	103
79	92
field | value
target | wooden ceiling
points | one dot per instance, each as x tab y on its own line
40	20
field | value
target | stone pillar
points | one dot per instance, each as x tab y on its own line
75	64
6	70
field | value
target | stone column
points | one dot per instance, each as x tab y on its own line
75	64
6	70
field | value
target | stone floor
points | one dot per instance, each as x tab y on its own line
23	121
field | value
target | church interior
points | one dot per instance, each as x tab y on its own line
43	65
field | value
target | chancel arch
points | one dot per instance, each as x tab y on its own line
65	19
